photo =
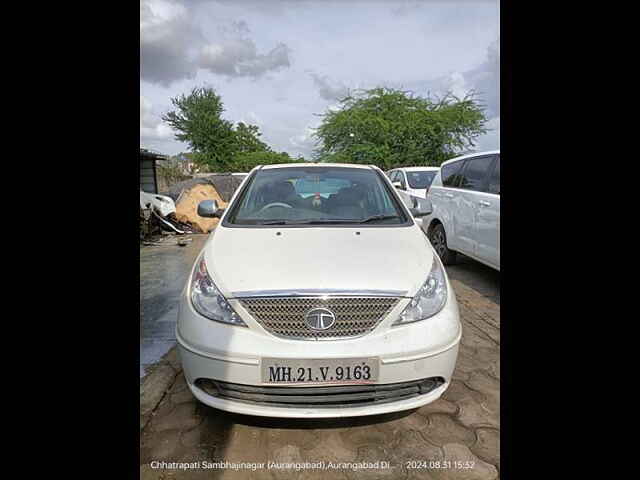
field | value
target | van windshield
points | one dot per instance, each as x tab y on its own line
420	179
316	195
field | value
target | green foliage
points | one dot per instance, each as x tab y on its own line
198	122
216	145
244	162
247	139
171	171
391	128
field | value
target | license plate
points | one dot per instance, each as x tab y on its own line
319	371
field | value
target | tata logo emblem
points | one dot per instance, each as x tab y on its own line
320	319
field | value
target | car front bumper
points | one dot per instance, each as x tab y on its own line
234	370
233	354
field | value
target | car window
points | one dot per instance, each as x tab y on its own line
475	173
316	195
493	185
449	173
401	179
419	179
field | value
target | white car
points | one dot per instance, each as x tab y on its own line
414	181
317	295
465	196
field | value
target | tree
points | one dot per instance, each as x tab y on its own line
216	144
247	139
198	122
171	171
244	162
392	128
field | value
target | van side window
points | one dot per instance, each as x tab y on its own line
448	173
401	179
494	179
475	173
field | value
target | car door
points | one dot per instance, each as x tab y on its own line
392	176
417	177
488	222
402	192
442	195
409	189
402	178
469	200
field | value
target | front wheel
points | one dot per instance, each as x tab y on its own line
438	239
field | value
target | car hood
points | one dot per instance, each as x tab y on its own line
315	258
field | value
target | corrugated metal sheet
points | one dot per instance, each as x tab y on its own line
148	181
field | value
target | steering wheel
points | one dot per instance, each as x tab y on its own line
275	204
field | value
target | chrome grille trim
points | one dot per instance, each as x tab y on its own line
284	316
319	292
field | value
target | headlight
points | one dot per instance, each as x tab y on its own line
207	299
430	298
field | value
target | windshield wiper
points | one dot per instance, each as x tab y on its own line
274	222
378	217
300	222
327	221
319	221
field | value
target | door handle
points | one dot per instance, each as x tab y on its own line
448	195
483	203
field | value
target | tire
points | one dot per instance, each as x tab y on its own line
438	239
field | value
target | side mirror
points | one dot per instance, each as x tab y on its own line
398	185
210	209
421	208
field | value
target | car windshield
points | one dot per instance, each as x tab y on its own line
420	179
316	195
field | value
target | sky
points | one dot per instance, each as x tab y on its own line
279	64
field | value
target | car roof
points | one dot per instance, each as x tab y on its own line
346	165
419	169
470	155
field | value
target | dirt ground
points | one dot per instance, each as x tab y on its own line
456	437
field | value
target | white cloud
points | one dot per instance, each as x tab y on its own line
491	140
285	62
328	89
486	79
304	143
238	56
153	132
174	46
159	13
166	33
251	118
457	84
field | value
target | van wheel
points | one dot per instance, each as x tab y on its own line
439	241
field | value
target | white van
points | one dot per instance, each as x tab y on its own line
465	196
414	181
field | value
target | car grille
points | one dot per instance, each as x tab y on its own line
284	316
332	396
